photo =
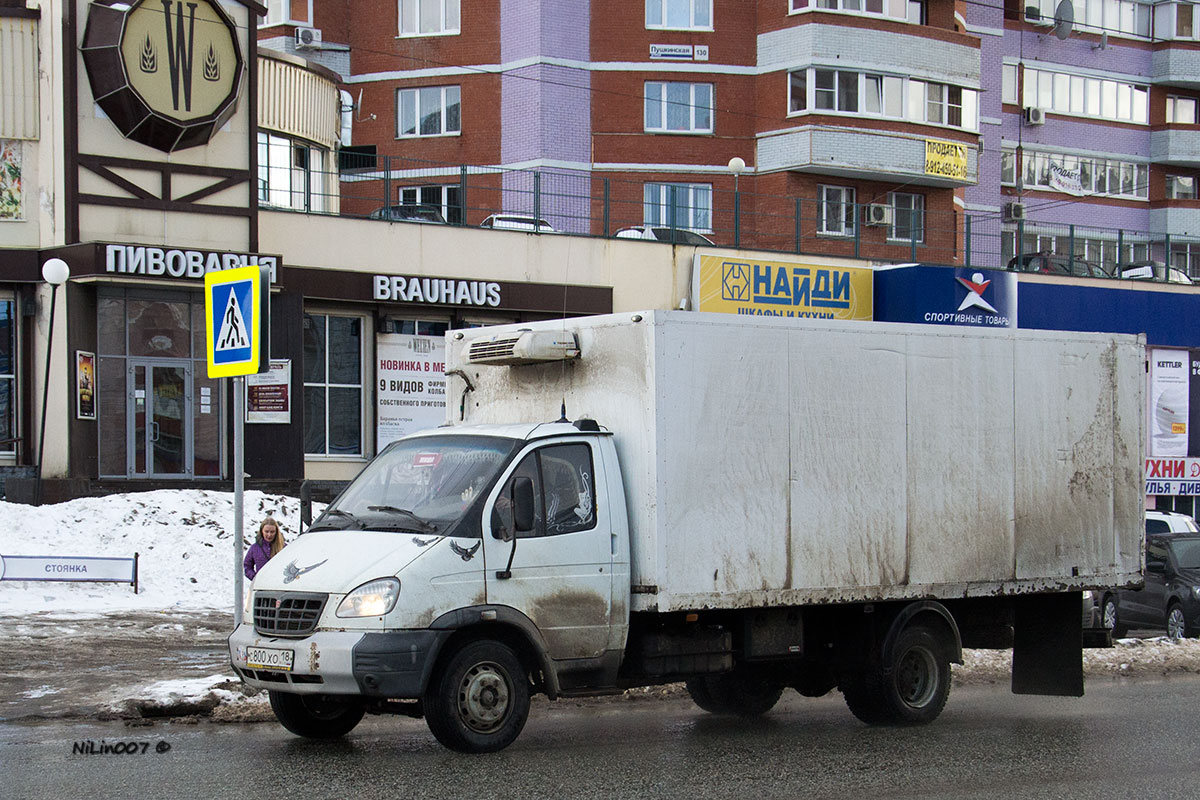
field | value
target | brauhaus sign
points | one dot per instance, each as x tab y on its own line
166	72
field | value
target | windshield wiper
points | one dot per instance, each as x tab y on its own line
422	525
337	512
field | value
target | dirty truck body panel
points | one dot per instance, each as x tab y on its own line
791	462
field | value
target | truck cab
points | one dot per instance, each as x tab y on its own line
508	543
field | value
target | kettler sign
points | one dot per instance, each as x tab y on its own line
167	72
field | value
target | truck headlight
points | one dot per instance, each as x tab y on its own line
372	599
1196	592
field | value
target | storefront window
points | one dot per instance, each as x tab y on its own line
333	389
161	414
8	378
160	329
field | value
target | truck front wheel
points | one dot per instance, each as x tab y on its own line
911	689
315	716
479	702
743	693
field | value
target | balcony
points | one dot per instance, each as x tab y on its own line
1179	147
917	52
861	153
1176	65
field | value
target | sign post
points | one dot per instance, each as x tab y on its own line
236	310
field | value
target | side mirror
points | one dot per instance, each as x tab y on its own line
1155	566
522	503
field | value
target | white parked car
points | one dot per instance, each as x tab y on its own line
655	233
1154	271
518	222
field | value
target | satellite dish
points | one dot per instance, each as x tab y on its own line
1064	19
1103	42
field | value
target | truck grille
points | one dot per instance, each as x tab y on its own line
287	613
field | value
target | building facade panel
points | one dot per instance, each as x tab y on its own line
858	152
908	50
19	65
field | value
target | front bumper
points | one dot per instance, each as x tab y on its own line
394	664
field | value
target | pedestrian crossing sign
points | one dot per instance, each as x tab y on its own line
233	314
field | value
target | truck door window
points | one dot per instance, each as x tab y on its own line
563	488
569	488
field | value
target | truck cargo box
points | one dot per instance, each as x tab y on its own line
788	462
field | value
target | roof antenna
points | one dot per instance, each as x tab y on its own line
563	418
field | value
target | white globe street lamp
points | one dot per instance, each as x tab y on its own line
55	272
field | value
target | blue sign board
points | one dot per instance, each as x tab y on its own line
1168	317
935	295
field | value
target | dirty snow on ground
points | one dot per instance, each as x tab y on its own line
183	538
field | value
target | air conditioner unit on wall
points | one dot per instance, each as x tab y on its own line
1014	212
1035	116
308	38
877	214
1034	15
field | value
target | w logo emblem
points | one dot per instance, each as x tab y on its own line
181	46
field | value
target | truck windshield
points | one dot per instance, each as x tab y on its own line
425	485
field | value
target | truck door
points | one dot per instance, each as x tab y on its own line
561	571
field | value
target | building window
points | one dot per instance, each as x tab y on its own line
291	174
428	17
1008	167
1181	110
845	91
333	385
835	210
1184	21
446	199
679	14
1097	176
907	10
280	12
798	91
1115	17
1008	83
678	205
679	107
1087	97
8	375
908	217
429	111
835	90
1181	187
1186	256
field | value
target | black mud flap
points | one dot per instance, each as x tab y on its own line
1047	645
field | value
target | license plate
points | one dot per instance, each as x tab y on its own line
269	658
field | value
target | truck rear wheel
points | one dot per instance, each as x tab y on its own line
743	693
909	690
316	716
479	702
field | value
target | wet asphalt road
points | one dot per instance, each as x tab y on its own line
1124	739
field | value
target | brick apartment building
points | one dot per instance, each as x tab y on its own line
623	107
1075	137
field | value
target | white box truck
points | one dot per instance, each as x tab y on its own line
745	505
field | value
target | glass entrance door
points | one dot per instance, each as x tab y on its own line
160	419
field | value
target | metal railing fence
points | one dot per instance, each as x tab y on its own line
595	204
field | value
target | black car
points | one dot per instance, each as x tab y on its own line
410	212
1054	264
1171	598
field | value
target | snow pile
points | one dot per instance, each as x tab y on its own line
183	538
1151	657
